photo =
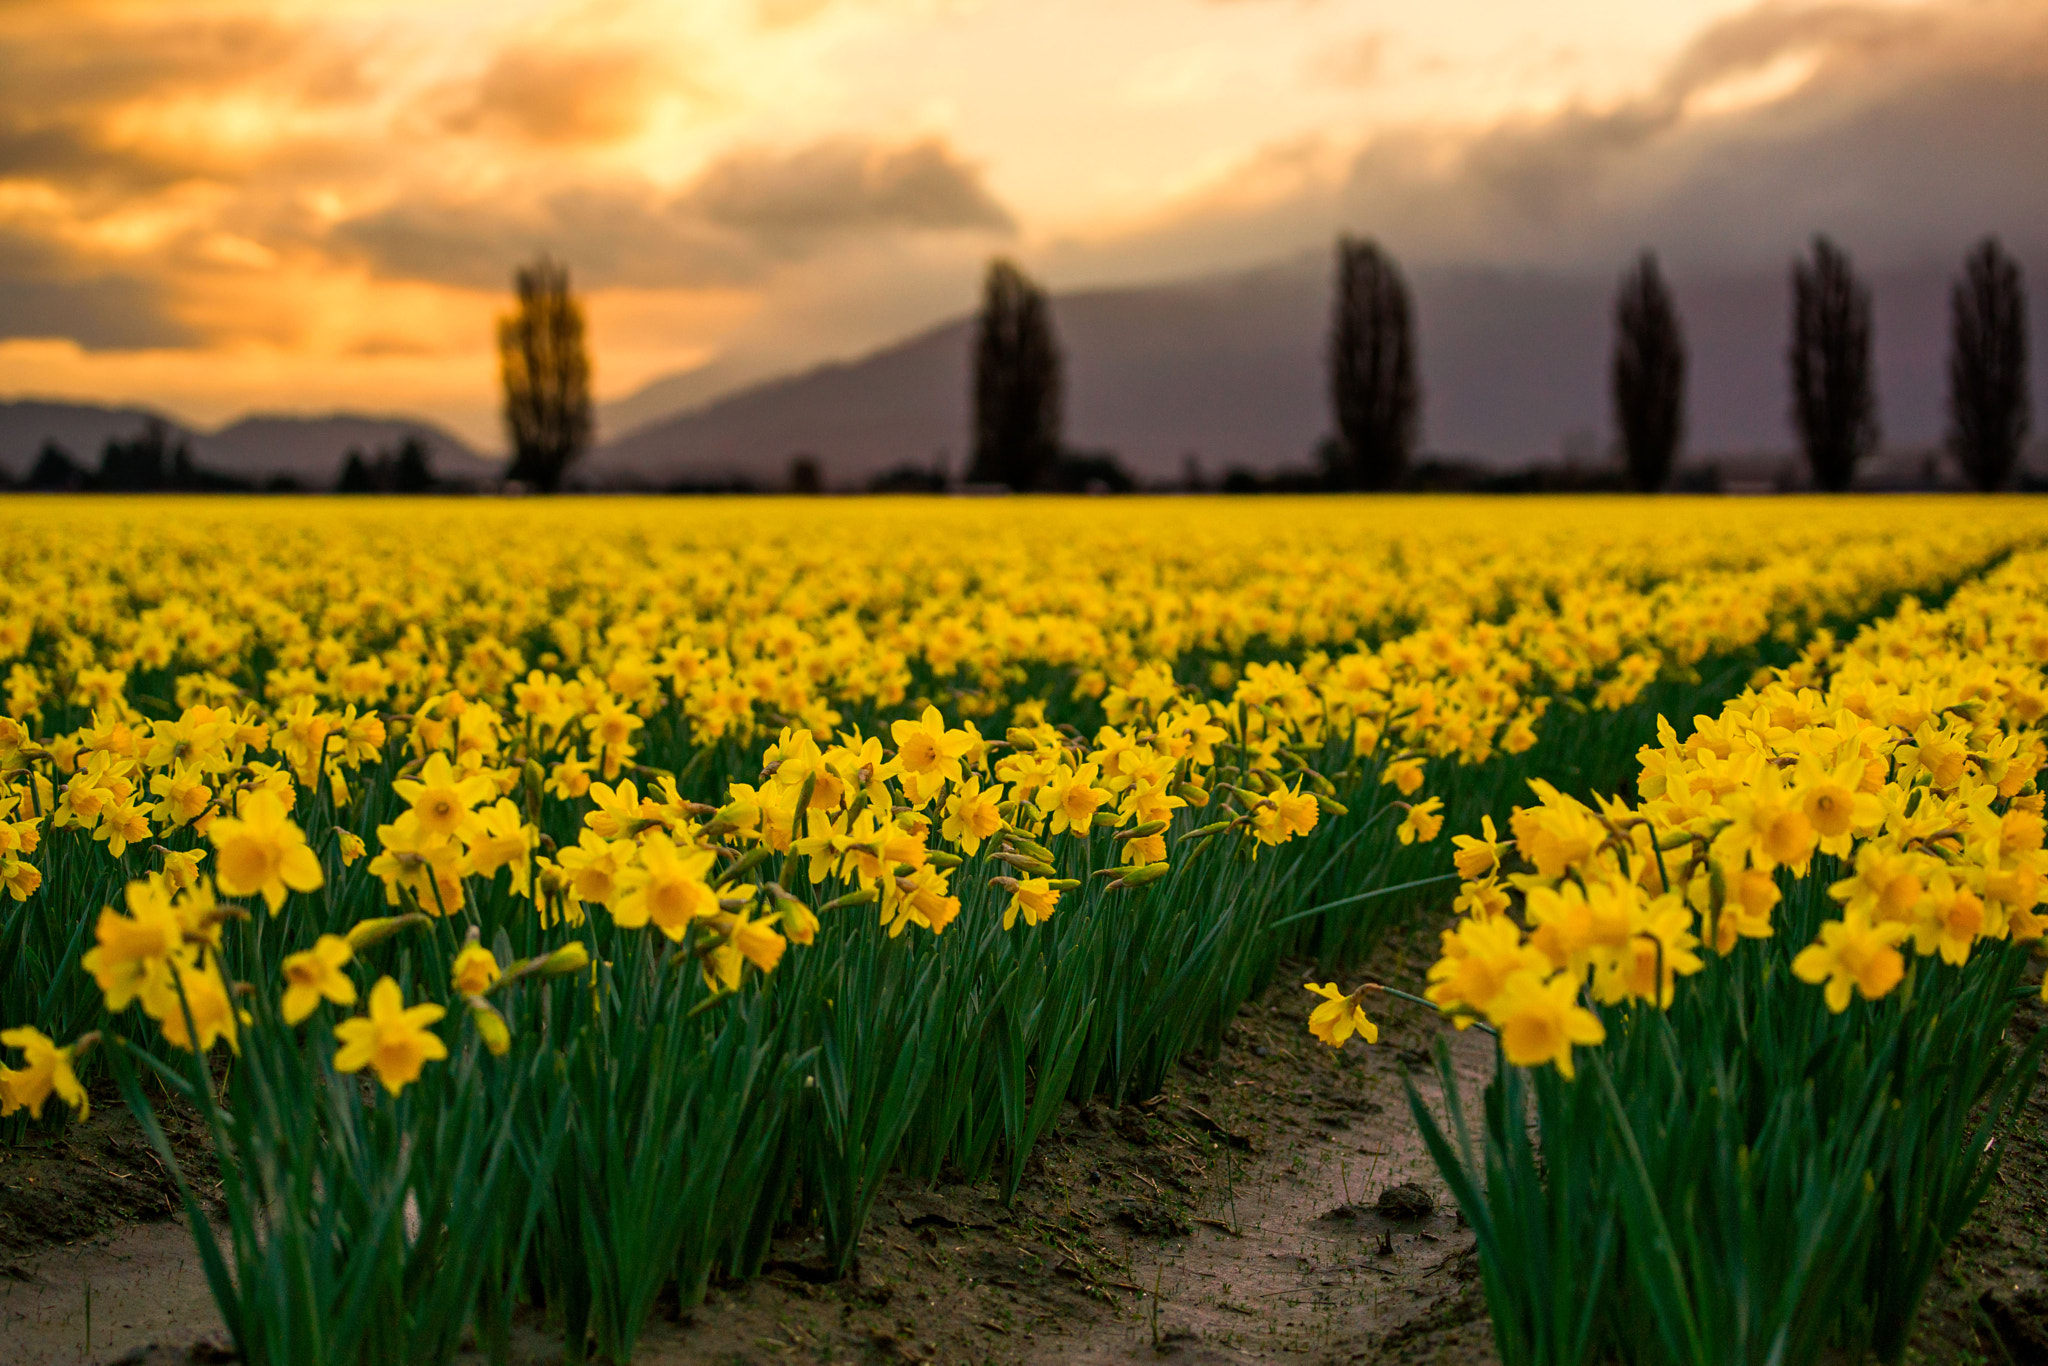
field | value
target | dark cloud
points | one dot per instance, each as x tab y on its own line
1856	33
90	64
44	294
843	186
79	95
1913	132
609	236
545	95
72	153
746	214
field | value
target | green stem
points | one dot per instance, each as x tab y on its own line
1362	896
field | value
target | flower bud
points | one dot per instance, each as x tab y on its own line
367	932
571	957
1144	873
490	1026
748	862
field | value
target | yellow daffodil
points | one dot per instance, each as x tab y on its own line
1853	953
1035	898
666	887
1421	822
475	968
315	976
393	1040
1540	1020
46	1071
260	851
1340	1016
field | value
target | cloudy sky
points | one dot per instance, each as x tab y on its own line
220	207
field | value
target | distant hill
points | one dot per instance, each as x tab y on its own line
1230	370
312	449
80	428
668	395
308	449
905	403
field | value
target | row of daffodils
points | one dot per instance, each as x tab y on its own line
1846	863
616	889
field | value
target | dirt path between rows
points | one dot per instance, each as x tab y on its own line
1272	1204
102	1298
1335	1241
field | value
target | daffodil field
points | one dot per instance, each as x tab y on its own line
547	904
1791	964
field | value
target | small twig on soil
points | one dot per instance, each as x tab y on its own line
1094	1283
86	1161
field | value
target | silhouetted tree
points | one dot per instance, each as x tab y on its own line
148	461
356	474
907	478
546	372
410	472
1092	472
1988	404
1834	401
1374	396
55	469
400	469
1649	374
1016	383
805	475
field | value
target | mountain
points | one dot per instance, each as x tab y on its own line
906	403
308	449
82	429
668	395
1229	369
312	449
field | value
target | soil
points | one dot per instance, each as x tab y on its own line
102	1298
1988	1302
61	1185
1272	1204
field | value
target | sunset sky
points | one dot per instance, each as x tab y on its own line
218	208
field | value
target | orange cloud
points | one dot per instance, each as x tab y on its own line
747	213
544	95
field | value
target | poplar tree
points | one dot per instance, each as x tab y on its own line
1375	399
1017	393
1988	403
546	372
1648	374
1834	400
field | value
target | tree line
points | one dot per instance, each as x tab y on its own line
1375	395
154	460
158	459
1374	389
